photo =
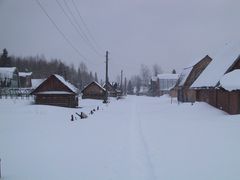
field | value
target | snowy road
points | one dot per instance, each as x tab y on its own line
138	138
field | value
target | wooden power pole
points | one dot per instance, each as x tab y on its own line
106	80
121	85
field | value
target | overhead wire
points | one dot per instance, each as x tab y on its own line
80	28
59	30
70	20
85	25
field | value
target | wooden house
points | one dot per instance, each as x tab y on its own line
93	91
187	77
56	91
25	79
9	77
208	87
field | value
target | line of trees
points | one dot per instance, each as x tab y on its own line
42	68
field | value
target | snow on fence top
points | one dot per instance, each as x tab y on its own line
218	67
230	81
69	85
7	72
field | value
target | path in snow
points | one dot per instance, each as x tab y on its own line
140	158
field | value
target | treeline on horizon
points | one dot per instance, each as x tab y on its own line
42	68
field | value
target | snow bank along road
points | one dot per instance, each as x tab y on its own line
132	139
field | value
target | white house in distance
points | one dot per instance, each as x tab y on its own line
163	83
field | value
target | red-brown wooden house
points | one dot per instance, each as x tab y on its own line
56	91
208	87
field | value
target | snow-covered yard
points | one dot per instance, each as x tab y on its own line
131	139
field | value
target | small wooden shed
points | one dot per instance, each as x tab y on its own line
93	91
55	90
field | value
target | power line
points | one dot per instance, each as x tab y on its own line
69	19
80	28
59	30
85	24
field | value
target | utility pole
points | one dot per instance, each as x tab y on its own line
106	80
121	85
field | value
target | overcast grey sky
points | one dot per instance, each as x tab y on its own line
171	33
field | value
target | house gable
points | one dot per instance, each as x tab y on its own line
52	83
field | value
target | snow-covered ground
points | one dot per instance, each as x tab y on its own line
131	139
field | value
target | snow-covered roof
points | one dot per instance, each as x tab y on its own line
230	81
53	92
25	74
7	72
218	67
96	84
68	84
184	75
154	78
36	82
168	76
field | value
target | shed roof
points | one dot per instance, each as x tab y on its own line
69	86
184	75
36	82
218	67
230	81
66	83
94	82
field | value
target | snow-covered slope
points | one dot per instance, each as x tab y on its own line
135	138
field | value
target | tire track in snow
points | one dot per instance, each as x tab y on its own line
142	165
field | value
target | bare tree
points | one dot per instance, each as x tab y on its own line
145	74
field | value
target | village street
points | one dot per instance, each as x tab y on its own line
135	138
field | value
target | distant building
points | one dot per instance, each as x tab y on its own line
162	84
187	77
93	91
9	77
56	91
25	79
